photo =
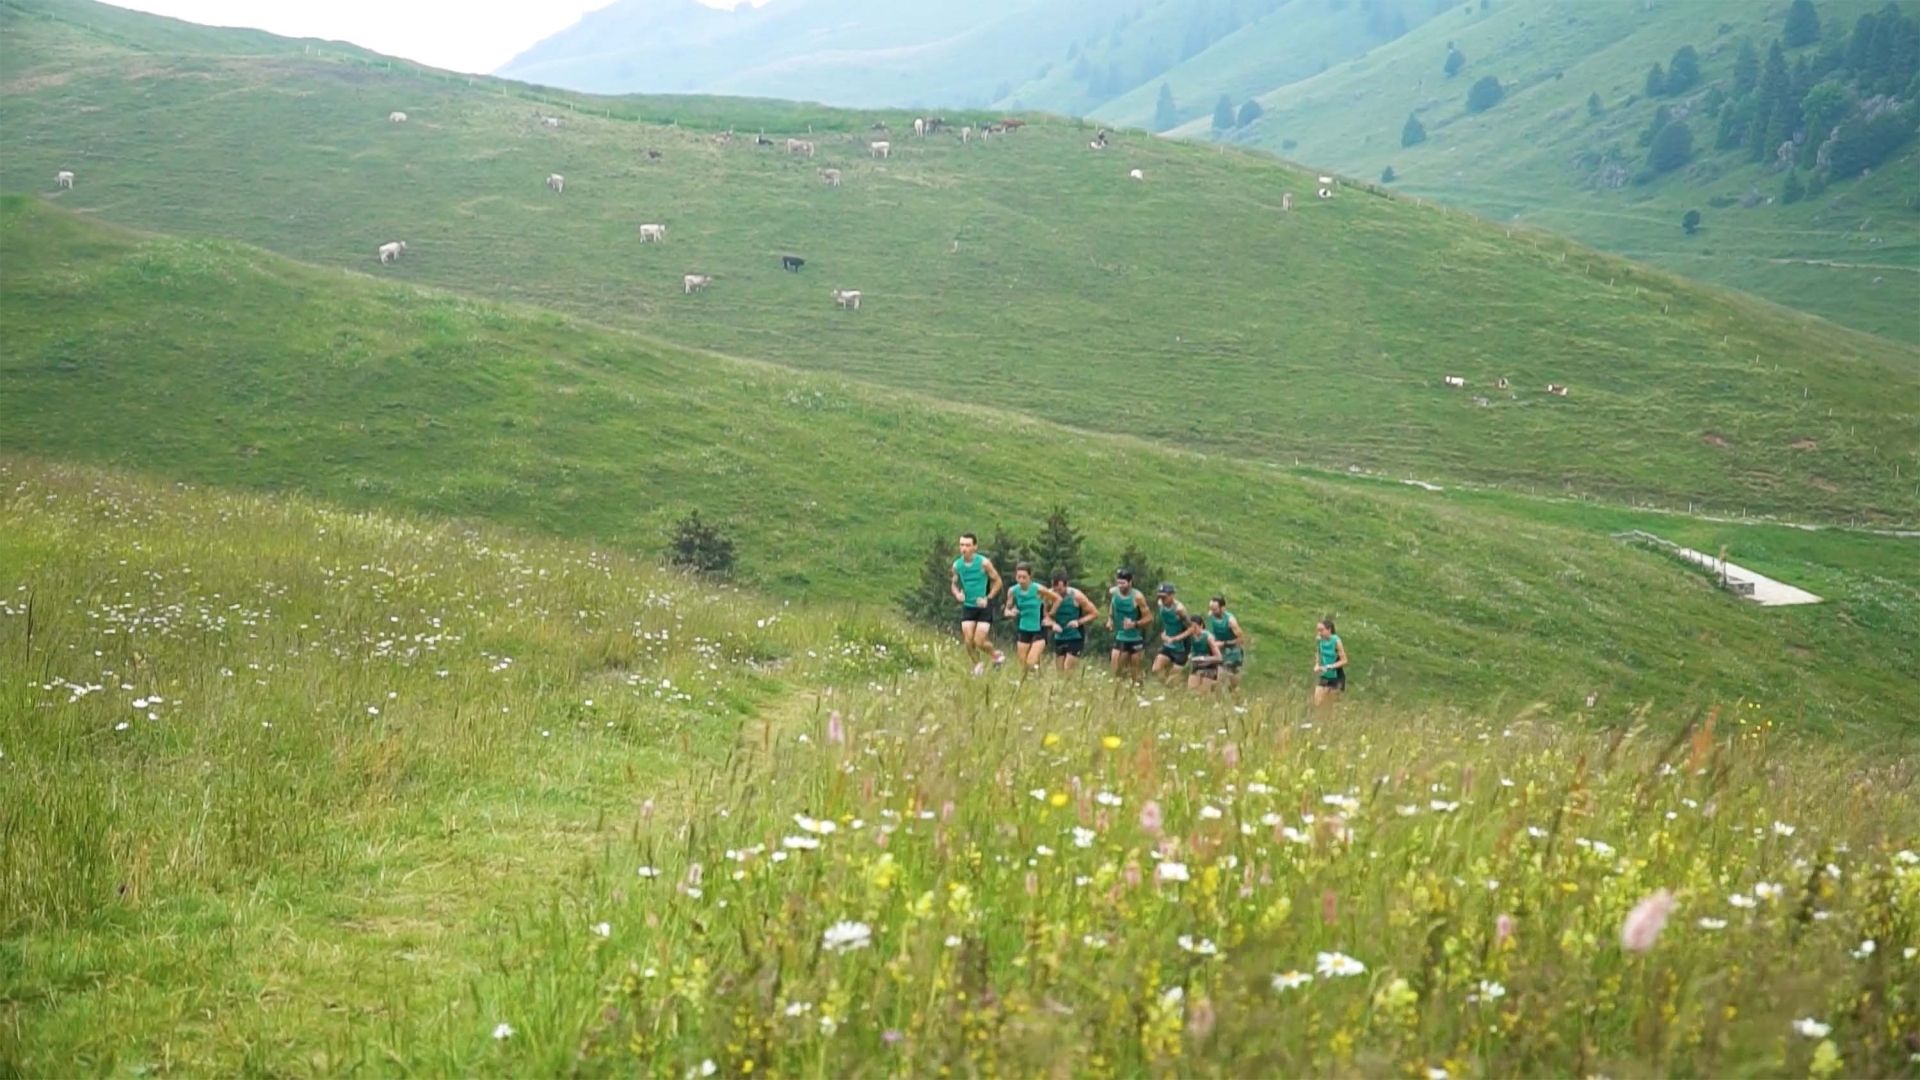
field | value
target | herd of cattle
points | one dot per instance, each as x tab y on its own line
1460	383
879	149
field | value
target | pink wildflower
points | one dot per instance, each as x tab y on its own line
1329	907
1200	1019
1502	930
1230	754
1644	923
1150	817
836	732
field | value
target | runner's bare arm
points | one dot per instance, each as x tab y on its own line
955	587
994	584
1341	648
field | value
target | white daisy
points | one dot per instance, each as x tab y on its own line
1290	980
844	936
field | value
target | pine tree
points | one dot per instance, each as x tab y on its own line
1656	81
1250	112
930	598
1770	96
1057	550
1683	71
1006	551
1691	222
1455	61
1860	45
1803	24
1792	191
1485	94
1746	69
1222	113
1414	133
1165	113
1387	175
1594	106
1662	116
1671	148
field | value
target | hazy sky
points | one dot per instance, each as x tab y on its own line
463	35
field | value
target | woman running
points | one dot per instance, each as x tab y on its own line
1204	657
1330	664
1126	614
1233	641
1071	612
1028	599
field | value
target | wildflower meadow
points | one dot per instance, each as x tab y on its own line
292	790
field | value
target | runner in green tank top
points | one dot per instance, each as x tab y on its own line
1175	632
1233	642
1330	667
1071	612
1027	600
975	584
1203	650
1126	615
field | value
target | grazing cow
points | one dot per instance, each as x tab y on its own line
63	179
1012	125
1286	200
830	177
557	182
879	125
653	155
1556	390
1099	141
391	252
723	138
1326	181
762	140
1500	383
653	234
1325	193
1137	175
847	298
919	126
397	117
792	263
799	146
1454	380
966	134
550	121
693	283
936	124
881	149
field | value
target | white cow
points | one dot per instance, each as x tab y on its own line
1286	200
919	126
830	177
1556	390
397	117
1455	380
1137	175
695	282
391	252
799	146
557	182
882	149
1501	383
966	134
550	121
847	298
653	234
63	179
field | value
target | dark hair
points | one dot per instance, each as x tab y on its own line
1220	598
1123	574
1059	577
969	536
1197	620
1019	566
1328	623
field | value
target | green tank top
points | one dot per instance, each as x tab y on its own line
1330	651
1222	630
1027	602
1171	622
1067	611
1123	608
973	579
1200	647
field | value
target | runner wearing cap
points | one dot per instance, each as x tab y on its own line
1176	630
1071	612
1126	617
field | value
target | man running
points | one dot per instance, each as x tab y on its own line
1029	600
975	584
1126	617
1233	641
1176	630
1071	612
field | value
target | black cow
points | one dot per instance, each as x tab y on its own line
792	263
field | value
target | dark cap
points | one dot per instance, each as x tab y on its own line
1123	574
1167	589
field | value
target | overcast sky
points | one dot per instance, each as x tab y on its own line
462	35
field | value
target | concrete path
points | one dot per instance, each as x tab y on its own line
1758	588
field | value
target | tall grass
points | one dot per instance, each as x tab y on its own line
288	788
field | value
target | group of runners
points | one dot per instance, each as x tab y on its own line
1206	648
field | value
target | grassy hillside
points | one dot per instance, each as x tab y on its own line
1541	158
221	364
290	789
1026	275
